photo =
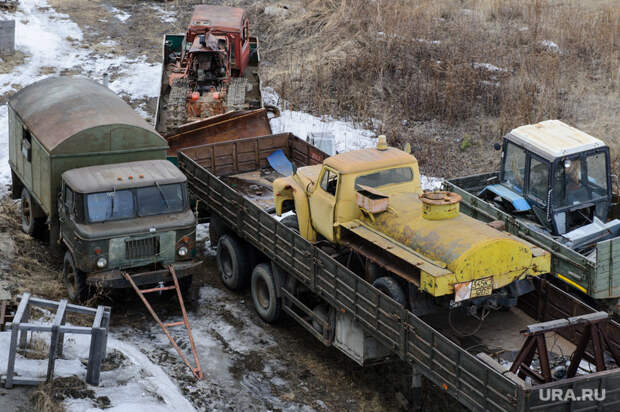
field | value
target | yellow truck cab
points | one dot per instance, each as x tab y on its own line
370	202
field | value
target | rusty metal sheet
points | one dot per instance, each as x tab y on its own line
397	249
222	128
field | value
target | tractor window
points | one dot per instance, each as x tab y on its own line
514	167
539	180
329	182
597	174
568	187
385	177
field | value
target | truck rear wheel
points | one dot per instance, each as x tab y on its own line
263	287
29	223
390	287
231	262
75	279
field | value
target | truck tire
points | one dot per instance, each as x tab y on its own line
75	279
322	312
263	288
390	287
29	222
291	222
232	262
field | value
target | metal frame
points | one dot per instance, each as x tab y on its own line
197	371
19	334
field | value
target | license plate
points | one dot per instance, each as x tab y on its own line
473	289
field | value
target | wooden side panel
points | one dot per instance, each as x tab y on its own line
606	282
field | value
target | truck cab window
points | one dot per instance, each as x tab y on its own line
244	38
539	180
597	174
514	167
26	144
329	182
385	177
114	205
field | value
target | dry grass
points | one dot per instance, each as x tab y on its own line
423	68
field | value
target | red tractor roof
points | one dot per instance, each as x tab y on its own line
228	19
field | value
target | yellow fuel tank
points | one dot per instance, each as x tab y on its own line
467	248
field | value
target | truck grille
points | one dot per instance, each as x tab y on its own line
142	248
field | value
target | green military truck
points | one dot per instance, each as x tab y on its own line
93	179
554	189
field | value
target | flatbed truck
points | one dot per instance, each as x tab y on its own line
311	282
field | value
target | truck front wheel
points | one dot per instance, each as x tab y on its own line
266	301
231	262
390	287
75	279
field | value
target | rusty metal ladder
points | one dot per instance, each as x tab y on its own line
141	292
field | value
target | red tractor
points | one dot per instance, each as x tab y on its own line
209	71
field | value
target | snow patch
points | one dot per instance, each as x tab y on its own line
489	67
430	183
550	45
130	387
167	16
348	136
119	14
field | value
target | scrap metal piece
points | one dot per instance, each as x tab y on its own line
20	328
197	371
594	330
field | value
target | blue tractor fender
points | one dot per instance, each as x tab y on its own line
515	199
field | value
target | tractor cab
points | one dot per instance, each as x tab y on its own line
557	175
208	62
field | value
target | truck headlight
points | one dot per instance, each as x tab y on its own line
102	262
182	251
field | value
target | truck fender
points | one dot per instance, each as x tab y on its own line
279	276
287	188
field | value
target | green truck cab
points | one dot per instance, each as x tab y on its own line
92	177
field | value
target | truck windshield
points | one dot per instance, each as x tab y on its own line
514	167
385	177
580	180
130	203
156	200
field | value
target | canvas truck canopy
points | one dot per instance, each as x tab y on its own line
64	123
59	109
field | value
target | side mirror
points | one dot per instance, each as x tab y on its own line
497	146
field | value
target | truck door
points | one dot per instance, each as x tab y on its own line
322	203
